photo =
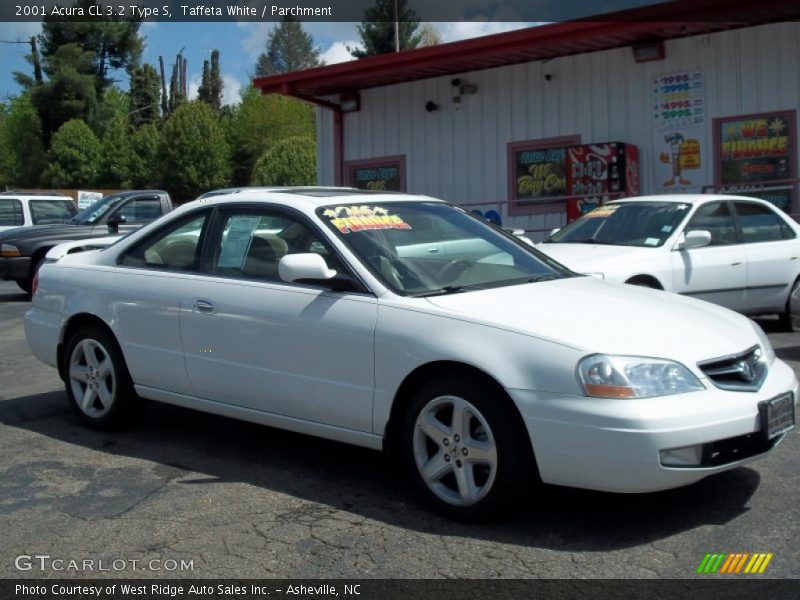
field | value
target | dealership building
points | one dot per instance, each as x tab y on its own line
535	126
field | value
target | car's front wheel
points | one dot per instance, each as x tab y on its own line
98	384
464	449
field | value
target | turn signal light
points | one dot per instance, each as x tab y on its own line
9	251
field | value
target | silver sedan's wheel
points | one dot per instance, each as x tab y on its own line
455	451
92	378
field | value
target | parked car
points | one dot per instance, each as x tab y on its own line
21	209
738	252
485	366
23	250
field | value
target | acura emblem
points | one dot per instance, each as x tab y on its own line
747	370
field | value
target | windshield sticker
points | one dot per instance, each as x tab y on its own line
603	211
666	229
348	219
652	242
236	241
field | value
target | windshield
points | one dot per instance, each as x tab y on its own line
95	211
645	224
429	248
48	212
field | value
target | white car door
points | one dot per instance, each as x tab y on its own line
773	257
257	342
718	272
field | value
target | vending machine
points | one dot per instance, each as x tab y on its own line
597	173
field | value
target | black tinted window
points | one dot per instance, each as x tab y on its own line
715	218
141	209
760	223
10	213
47	212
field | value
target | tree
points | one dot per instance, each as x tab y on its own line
259	122
145	95
292	161
143	169
23	156
193	152
114	103
116	150
377	29
429	36
210	90
73	157
289	48
113	43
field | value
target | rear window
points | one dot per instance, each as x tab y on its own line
11	213
48	212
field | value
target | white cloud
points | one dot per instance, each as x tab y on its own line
462	30
231	89
337	52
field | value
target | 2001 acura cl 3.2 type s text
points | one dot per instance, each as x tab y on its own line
403	322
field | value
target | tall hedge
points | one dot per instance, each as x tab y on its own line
292	161
74	156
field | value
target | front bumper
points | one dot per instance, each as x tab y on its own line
616	445
15	268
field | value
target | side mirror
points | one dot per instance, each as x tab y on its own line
695	239
305	268
114	221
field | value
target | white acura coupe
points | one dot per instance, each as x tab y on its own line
405	323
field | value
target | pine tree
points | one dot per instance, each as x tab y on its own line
289	48
215	83
145	95
377	30
204	91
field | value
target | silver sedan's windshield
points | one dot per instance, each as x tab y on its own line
646	224
429	248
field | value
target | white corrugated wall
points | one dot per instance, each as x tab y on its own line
459	152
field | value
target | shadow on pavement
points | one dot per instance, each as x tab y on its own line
198	449
15	297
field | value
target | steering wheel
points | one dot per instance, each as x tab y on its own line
453	270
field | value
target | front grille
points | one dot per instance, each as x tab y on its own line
743	372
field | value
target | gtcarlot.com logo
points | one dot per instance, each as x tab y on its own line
45	562
736	564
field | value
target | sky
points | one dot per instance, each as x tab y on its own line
239	45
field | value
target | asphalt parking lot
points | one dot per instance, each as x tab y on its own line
239	500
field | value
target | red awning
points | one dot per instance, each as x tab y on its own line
649	24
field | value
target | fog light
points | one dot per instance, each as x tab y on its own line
688	456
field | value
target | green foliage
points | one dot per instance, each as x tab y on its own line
292	161
210	90
193	152
111	42
145	95
22	155
115	102
116	150
377	29
289	48
143	168
73	157
261	121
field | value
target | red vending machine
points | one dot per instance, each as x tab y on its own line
597	173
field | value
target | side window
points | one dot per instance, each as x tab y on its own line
46	212
141	209
253	243
715	218
10	213
760	223
176	247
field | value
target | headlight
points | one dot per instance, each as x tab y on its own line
767	350
605	376
9	251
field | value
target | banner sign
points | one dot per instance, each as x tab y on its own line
754	151
540	173
680	138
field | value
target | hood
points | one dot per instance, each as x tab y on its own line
585	258
35	233
597	316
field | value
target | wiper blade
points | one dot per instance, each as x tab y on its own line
544	278
448	289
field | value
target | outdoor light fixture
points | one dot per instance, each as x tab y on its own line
350	102
431	106
649	52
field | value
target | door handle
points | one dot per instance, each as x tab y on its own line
792	258
432	250
736	264
204	306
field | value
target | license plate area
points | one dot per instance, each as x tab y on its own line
777	415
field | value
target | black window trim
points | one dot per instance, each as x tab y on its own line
215	232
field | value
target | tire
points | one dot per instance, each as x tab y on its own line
27	284
475	471
785	318
97	381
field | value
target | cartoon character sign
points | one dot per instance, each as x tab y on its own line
683	155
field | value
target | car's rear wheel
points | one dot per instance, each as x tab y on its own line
97	381
26	285
464	449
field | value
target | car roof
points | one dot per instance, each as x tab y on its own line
309	197
684	198
35	195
